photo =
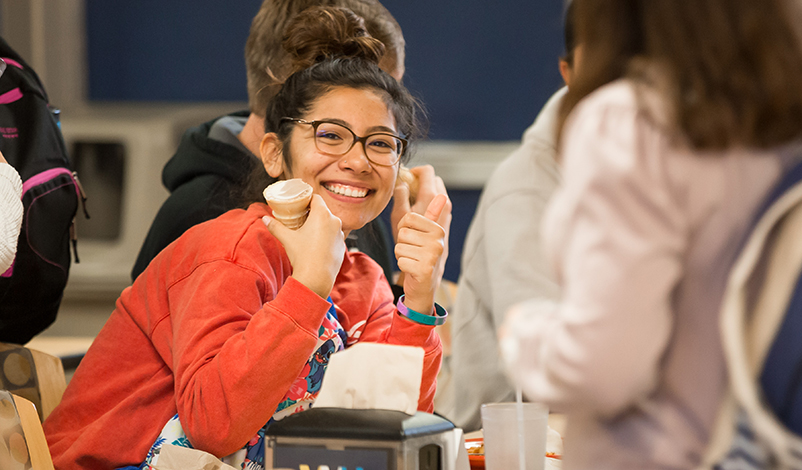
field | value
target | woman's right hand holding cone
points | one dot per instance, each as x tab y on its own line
316	250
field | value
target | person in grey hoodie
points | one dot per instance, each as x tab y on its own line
502	263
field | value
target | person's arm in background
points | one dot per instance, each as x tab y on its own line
11	211
517	269
503	264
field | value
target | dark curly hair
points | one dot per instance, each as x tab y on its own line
330	48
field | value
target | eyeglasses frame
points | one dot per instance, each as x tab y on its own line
363	140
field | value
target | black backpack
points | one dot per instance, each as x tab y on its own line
30	139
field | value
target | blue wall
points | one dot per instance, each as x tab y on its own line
173	50
482	70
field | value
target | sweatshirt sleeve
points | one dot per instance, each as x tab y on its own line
617	240
385	325
11	209
232	366
516	268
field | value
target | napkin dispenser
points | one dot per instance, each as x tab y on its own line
352	439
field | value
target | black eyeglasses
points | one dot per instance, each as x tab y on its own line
381	148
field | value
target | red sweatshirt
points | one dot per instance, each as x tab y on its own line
216	331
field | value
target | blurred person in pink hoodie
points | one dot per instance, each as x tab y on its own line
682	118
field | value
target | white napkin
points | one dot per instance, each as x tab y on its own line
373	376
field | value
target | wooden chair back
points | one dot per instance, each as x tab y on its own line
22	441
34	375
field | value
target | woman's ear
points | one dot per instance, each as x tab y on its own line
272	157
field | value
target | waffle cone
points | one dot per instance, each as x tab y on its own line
294	222
289	200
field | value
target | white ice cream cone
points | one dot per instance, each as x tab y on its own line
289	200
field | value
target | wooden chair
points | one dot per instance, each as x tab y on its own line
34	375
22	441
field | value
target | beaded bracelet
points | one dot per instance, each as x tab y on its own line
438	318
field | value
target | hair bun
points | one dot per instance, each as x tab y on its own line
320	33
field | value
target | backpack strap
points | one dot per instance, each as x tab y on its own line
30	80
748	331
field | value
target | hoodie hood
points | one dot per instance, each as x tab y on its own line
199	155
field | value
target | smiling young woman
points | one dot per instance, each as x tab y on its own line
354	188
232	325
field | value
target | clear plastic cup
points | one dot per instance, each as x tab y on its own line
500	431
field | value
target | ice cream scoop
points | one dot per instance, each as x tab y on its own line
411	180
289	200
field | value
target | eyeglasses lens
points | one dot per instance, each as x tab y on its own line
383	149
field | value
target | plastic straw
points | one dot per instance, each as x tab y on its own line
521	449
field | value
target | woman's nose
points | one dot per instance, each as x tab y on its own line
356	159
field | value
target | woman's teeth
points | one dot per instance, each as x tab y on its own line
346	190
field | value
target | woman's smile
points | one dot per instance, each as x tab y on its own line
347	190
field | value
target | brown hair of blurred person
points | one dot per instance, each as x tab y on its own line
267	63
728	69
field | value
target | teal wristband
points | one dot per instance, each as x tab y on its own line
438	318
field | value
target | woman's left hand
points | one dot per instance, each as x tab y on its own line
421	251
